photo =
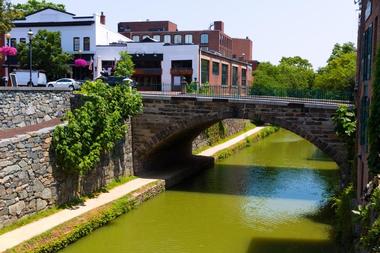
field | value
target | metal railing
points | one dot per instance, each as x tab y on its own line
219	91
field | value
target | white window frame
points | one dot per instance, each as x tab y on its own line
136	38
203	38
157	37
188	39
166	40
178	39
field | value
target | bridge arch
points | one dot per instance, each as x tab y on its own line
171	125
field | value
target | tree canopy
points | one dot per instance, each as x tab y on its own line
298	73
340	71
125	66
7	14
291	72
36	5
47	54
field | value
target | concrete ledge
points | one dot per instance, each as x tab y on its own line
31	89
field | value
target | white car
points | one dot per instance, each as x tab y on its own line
65	83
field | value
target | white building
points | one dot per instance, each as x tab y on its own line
156	63
80	35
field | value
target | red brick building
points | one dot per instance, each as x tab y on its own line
214	39
368	41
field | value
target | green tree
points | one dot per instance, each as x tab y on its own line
36	5
125	66
339	73
7	14
290	73
47	54
374	121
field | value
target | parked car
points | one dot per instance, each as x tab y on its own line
21	77
65	83
114	80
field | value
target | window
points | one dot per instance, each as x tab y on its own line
204	38
136	38
189	39
86	44
177	39
145	36
205	71
235	77
76	44
215	68
22	40
168	39
224	74
157	37
366	64
13	42
244	77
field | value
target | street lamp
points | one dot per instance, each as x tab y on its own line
8	37
30	36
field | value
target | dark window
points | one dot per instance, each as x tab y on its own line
243	77
182	64
13	42
366	64
205	67
86	44
235	76
215	68
76	44
22	40
204	38
224	74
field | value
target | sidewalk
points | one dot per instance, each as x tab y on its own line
212	151
17	236
13	132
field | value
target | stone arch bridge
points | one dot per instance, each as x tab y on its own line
162	135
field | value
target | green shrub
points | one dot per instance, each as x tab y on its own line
95	127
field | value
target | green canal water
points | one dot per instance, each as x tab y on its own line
263	199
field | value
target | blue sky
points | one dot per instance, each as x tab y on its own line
307	28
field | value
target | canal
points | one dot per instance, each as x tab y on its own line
264	199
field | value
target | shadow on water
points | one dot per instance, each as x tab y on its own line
273	182
274	245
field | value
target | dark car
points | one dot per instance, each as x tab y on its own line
114	80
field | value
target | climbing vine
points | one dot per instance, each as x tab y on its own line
95	127
374	121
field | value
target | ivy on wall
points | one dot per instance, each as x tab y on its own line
95	127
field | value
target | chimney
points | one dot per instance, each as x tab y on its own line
219	26
102	19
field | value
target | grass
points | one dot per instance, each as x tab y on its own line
248	127
245	143
71	231
55	209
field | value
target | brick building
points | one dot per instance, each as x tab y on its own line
214	39
368	40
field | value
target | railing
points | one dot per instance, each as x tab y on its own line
218	91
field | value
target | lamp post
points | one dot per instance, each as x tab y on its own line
8	37
30	36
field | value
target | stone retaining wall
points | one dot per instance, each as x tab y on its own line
21	107
30	181
231	126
